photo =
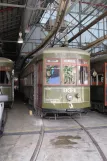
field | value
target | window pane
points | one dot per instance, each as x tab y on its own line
69	75
52	74
81	61
5	77
83	75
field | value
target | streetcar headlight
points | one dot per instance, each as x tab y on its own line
77	95
69	97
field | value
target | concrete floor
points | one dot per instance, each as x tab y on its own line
21	136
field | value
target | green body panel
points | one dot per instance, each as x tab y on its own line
65	106
56	97
7	91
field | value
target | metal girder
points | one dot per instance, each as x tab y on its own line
9	23
37	15
9	34
5	37
95	4
60	15
96	42
12	18
87	30
78	23
9	30
88	26
23	6
98	53
4	16
6	9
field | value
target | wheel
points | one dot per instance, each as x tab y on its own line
4	119
42	114
11	105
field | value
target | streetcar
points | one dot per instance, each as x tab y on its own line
57	80
7	80
99	83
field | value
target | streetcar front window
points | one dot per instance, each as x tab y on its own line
69	75
52	74
83	75
5	77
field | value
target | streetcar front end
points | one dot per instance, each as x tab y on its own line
66	81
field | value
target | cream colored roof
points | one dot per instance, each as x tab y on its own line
65	50
5	60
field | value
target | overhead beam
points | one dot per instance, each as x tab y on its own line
94	4
11	17
59	18
24	6
6	9
96	42
98	53
9	22
3	29
88	26
79	22
88	29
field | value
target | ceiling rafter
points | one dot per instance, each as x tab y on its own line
96	42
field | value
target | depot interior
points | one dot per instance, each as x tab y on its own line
30	26
26	24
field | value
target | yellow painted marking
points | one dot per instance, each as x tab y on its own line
30	113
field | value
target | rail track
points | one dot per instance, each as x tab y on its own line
86	130
39	143
43	131
93	140
4	119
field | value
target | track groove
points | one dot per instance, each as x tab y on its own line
93	140
39	144
53	130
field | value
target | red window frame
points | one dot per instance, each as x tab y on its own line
52	63
84	65
105	84
5	69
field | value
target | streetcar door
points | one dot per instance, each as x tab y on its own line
105	83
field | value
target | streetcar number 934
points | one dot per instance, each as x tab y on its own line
69	90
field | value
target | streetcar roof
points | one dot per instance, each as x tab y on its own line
99	58
5	60
65	50
58	50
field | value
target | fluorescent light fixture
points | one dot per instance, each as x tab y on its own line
20	40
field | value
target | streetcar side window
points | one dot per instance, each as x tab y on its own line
5	77
52	74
